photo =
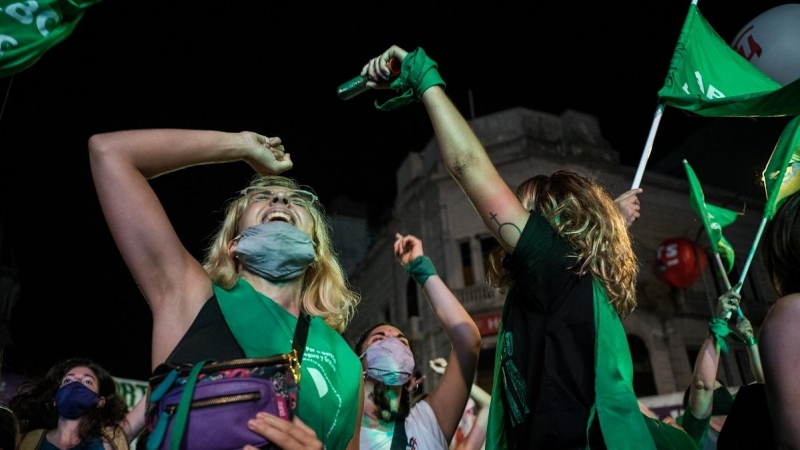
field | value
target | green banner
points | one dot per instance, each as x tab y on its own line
714	218
781	177
29	28
709	78
131	390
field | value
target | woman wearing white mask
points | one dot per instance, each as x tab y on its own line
389	419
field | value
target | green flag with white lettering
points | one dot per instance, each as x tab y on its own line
30	28
709	78
781	177
714	218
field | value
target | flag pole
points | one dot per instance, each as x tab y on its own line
648	146
752	252
747	263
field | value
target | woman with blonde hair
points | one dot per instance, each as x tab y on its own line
270	265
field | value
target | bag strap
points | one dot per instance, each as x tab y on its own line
182	413
399	439
301	335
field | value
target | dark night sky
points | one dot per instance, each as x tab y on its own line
273	67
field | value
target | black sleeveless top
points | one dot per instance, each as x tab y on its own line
209	337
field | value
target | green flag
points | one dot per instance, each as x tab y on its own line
29	28
781	177
709	78
714	218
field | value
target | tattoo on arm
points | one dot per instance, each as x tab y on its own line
507	232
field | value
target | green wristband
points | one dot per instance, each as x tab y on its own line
420	269
719	328
751	341
418	73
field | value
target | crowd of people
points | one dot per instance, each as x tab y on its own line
563	371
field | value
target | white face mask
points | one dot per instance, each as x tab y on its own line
389	360
277	251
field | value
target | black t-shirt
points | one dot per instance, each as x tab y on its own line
209	338
549	327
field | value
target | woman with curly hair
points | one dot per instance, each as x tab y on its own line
563	375
270	264
76	406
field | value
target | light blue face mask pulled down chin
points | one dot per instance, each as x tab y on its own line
277	251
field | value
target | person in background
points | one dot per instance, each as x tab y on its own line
472	434
388	362
75	405
9	425
270	263
563	370
629	205
9	429
747	423
780	333
707	400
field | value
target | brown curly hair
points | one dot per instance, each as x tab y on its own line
584	214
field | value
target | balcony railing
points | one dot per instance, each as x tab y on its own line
479	298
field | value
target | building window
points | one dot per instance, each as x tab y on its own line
488	244
412	304
466	263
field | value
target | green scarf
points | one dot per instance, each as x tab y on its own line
248	312
615	403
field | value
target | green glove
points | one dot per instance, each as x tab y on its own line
417	74
719	328
420	269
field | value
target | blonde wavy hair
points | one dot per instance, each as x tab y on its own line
584	214
326	292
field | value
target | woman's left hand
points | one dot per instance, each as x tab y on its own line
267	156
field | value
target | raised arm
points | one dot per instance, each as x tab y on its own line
476	437
449	398
747	334
172	281
462	152
135	419
701	392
